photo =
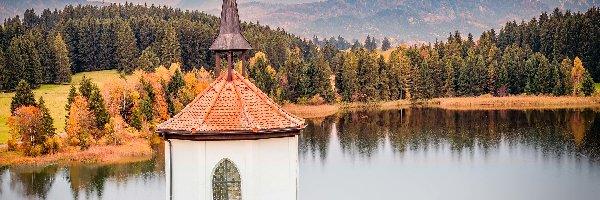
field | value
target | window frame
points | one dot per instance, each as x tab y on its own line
227	180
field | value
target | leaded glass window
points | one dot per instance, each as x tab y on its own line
226	182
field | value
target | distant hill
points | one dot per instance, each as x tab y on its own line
402	20
11	8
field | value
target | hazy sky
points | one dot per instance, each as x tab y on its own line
201	4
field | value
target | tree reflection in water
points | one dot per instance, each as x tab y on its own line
91	180
32	182
552	132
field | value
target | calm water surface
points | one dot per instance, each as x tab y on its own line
395	154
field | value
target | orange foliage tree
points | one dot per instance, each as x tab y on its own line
28	126
81	123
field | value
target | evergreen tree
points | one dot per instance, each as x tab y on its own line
47	126
294	71
565	71
384	79
320	74
23	62
23	96
542	77
348	78
558	89
492	67
587	86
385	44
86	87
368	76
98	108
62	60
176	82
170	47
4	71
126	51
148	61
70	99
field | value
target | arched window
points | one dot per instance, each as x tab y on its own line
226	182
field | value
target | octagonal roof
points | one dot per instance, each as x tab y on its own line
235	107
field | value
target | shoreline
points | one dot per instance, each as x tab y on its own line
135	150
138	149
451	103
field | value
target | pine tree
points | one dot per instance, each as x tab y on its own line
541	78
587	85
348	78
170	47
176	82
385	44
368	76
86	87
98	108
72	94
565	71
47	127
492	67
62	60
294	71
126	48
4	71
23	96
23	62
148	61
320	78
559	88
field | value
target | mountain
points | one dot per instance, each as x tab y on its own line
401	20
11	8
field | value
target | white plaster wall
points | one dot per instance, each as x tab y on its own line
268	167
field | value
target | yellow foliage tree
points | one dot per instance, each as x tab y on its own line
577	76
81	123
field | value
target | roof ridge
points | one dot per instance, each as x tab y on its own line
249	118
271	103
220	88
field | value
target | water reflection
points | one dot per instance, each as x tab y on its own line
427	153
115	181
360	133
418	153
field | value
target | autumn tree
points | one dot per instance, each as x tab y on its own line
577	76
32	126
81	124
264	76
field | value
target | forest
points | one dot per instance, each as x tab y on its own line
534	57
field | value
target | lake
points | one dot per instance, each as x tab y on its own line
417	153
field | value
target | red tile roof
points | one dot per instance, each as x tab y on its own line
232	107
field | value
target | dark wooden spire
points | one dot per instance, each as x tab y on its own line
230	37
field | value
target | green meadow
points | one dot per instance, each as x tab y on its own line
55	97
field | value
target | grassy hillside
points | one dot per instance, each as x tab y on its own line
55	97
